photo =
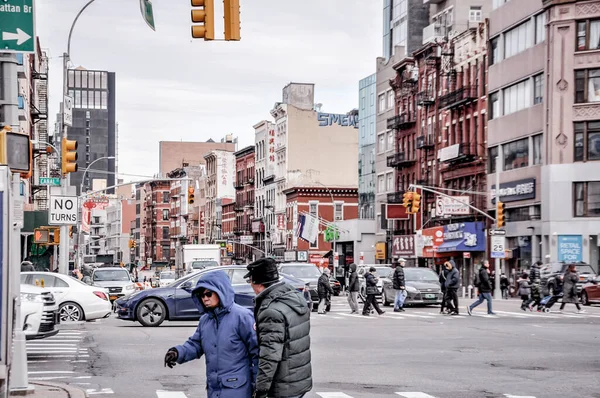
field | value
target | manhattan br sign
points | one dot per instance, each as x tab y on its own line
17	26
329	119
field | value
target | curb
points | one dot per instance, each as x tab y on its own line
72	392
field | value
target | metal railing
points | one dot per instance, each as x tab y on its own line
458	97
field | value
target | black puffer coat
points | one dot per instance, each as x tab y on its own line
324	288
353	283
534	274
570	288
398	279
283	332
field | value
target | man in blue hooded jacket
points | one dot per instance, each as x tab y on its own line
225	335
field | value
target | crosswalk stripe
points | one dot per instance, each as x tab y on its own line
98	392
518	396
414	395
333	395
170	394
357	316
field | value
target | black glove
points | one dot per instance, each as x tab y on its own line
260	394
171	358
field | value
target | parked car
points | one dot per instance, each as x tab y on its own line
307	273
39	312
552	270
116	280
152	307
76	300
591	292
422	287
165	278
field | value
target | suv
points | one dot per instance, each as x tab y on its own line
39	312
550	271
307	273
116	280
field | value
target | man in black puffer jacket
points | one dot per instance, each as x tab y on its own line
485	289
536	283
399	284
283	332
324	290
452	284
353	289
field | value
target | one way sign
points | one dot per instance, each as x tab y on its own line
63	210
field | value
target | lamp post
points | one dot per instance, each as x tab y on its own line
334	228
81	195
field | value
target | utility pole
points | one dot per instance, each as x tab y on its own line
497	291
63	263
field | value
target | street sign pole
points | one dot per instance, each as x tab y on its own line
497	264
17	24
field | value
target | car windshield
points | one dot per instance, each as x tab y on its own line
581	269
167	275
420	275
203	264
111	275
383	272
301	271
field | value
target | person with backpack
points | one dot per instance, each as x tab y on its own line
452	284
525	291
483	284
443	276
504	284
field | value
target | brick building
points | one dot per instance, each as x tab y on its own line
244	202
228	229
156	223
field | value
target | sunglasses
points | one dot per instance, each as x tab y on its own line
206	293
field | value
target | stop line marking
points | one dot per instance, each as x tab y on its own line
170	394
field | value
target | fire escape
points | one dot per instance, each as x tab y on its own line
43	165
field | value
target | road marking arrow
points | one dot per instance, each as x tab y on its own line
21	37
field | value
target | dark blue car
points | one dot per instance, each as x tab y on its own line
174	302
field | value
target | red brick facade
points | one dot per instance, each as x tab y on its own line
244	201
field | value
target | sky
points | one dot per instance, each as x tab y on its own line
171	87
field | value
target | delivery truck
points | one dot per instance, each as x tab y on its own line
190	258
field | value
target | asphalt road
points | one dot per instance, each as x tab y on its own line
416	354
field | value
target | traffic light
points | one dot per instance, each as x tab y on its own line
69	156
416	203
500	218
71	231
407	200
205	14
134	244
57	236
130	244
41	236
190	195
232	20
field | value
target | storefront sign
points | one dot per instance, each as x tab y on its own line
380	251
303	255
257	227
463	237
271	147
570	248
515	190
451	206
448	153
247	239
289	256
432	239
403	246
328	119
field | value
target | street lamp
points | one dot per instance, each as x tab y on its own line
81	195
334	226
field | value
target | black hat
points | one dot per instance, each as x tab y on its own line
263	271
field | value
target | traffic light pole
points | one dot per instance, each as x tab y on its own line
497	264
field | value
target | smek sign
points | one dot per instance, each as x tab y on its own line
329	119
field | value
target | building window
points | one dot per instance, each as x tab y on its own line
494	51
165	215
381	141
339	211
165	233
381	102
586	199
475	14
494	105
380	184
516	97
588	35
390	182
540	28
516	40
516	154
537	141
538	89
492	154
390	140
587	141
587	86
390	99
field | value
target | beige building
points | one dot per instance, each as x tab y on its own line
571	172
312	148
174	154
516	81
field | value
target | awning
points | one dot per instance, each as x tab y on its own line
448	247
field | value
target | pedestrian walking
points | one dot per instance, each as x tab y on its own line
452	284
504	284
556	289
371	292
485	289
27	266
353	288
225	336
443	276
570	288
324	290
535	279
282	327
399	284
525	291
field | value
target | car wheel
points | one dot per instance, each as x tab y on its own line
584	299
151	312
70	312
384	299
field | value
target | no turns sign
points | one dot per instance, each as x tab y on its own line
63	210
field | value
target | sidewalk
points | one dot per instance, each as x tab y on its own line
55	390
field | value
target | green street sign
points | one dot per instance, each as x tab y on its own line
147	13
54	181
17	26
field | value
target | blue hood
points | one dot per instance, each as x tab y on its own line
218	282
